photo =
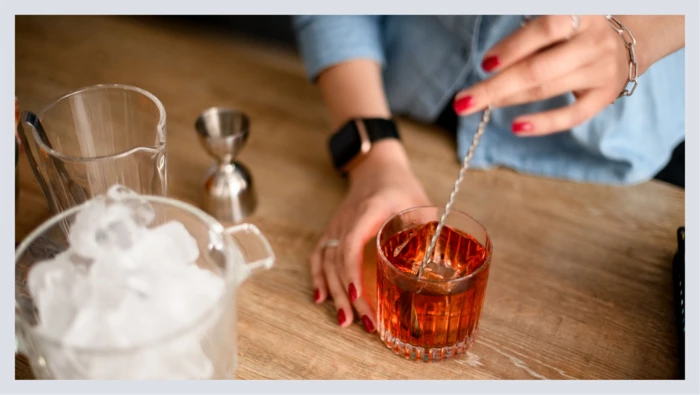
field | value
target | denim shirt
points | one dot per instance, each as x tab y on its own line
427	59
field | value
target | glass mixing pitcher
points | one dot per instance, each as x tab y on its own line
233	254
93	138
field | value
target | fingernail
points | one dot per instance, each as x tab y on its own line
317	294
463	103
519	127
353	292
341	317
490	63
369	327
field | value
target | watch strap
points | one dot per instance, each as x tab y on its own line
379	129
354	139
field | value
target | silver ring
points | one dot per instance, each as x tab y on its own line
575	25
330	243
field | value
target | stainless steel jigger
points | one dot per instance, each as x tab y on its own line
228	190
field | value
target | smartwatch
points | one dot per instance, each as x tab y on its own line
354	140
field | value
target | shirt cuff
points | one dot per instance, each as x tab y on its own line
325	41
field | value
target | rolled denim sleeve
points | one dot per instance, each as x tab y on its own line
327	40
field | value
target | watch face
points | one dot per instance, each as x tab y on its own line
345	145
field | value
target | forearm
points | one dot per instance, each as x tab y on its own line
354	89
657	36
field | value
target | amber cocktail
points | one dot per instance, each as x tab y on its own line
434	317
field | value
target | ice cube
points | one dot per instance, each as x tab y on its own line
140	286
106	296
141	210
143	213
165	247
82	232
100	229
62	303
56	312
401	246
139	319
204	289
115	234
128	249
50	272
438	272
51	285
112	268
93	327
182	243
415	240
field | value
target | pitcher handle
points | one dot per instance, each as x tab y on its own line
254	247
32	120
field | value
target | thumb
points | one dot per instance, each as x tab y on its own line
365	227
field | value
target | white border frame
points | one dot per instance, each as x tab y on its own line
531	7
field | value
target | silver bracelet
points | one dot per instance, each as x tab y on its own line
632	75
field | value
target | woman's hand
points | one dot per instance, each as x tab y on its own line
382	185
550	56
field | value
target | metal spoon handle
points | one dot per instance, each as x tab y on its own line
465	165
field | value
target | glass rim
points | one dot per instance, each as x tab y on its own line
234	111
160	127
388	263
229	287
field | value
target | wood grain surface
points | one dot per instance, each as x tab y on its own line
580	284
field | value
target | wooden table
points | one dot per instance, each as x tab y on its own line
580	285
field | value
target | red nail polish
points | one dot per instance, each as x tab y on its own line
352	291
490	63
519	127
368	324
317	294
463	103
341	317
